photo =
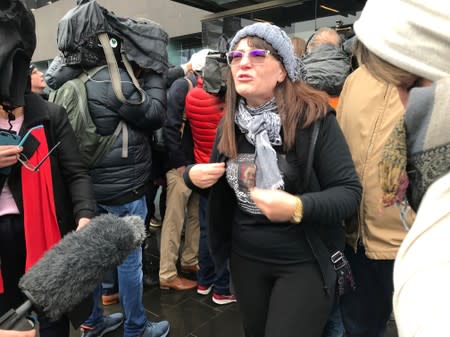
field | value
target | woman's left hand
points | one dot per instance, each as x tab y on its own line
277	205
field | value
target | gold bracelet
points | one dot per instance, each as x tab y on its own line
298	212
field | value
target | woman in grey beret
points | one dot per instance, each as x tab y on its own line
265	214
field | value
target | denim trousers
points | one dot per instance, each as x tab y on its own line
334	326
366	310
110	283
130	278
206	276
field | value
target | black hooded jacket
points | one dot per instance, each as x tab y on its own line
120	180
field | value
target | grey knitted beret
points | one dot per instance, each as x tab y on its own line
279	40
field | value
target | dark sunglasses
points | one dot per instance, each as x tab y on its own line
234	57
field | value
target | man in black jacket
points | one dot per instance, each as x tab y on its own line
121	179
121	176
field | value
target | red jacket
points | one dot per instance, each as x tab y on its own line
203	112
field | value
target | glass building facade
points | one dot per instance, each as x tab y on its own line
224	17
298	18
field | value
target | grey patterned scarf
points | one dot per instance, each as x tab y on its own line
261	126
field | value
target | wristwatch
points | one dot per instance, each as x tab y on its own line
298	212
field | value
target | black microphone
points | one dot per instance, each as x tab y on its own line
71	270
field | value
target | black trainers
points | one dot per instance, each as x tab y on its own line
108	324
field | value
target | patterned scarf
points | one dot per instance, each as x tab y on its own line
261	126
418	151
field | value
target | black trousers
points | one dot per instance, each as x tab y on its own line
366	310
12	257
280	300
150	197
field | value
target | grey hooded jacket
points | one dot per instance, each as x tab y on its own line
327	67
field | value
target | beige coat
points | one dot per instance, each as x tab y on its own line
367	112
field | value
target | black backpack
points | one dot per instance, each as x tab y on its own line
73	97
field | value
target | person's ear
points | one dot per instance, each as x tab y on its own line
282	75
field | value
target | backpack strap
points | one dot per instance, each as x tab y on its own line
190	84
115	74
84	77
122	126
52	96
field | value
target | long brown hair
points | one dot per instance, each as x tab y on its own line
381	69
298	105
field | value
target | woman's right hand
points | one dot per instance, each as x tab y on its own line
206	175
8	155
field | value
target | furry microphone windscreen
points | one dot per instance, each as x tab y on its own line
71	270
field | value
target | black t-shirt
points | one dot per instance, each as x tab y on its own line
254	235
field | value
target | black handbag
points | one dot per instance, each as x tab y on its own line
345	280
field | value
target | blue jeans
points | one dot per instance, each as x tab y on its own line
130	278
110	283
334	326
366	310
207	275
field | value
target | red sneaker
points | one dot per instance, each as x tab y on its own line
223	299
204	290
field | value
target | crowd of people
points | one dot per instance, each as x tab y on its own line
312	193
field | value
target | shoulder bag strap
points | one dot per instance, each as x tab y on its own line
312	148
336	255
184	118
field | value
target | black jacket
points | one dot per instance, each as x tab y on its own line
180	149
174	73
332	195
120	180
72	185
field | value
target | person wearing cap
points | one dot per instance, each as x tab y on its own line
410	51
262	213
